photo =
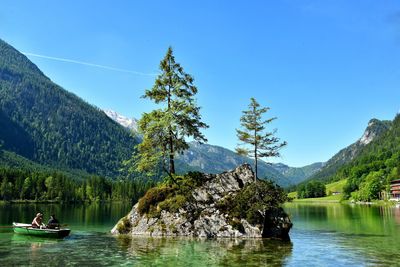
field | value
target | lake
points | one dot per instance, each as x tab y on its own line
323	235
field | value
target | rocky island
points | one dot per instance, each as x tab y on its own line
230	204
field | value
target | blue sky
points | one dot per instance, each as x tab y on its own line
324	67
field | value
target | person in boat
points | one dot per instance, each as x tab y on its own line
38	221
53	223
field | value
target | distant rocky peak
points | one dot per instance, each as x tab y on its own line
374	129
122	120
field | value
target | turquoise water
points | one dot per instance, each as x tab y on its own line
323	235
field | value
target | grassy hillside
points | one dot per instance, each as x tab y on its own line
330	188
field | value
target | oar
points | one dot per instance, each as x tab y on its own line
6	226
14	226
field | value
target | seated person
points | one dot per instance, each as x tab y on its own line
53	222
38	221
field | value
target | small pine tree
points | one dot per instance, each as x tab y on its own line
263	143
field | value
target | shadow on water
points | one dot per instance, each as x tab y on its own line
204	252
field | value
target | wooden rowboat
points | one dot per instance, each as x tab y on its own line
27	229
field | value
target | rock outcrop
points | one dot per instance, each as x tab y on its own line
202	216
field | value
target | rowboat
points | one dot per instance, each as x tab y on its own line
27	229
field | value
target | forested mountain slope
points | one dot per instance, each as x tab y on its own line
375	166
374	130
46	124
369	164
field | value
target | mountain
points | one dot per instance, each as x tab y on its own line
298	174
373	131
48	125
131	124
374	167
215	159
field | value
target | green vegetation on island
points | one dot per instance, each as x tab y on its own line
169	196
251	203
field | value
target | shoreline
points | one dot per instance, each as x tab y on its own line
347	202
26	201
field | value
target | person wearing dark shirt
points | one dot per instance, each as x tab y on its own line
53	222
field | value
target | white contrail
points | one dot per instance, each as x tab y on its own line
89	64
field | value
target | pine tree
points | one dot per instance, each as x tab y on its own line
263	143
165	129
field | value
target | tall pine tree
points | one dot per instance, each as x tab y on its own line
165	129
262	143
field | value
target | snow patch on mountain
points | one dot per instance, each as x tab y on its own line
124	121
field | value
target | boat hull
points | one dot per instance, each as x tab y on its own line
26	229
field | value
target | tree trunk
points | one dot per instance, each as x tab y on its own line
171	155
171	141
255	145
255	154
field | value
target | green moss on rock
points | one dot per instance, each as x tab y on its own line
124	225
172	204
251	201
170	196
152	197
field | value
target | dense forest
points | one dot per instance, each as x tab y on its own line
41	186
311	189
48	125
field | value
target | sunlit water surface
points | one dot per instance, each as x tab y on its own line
323	235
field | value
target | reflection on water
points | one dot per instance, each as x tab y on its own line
106	250
356	234
91	245
203	252
323	235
